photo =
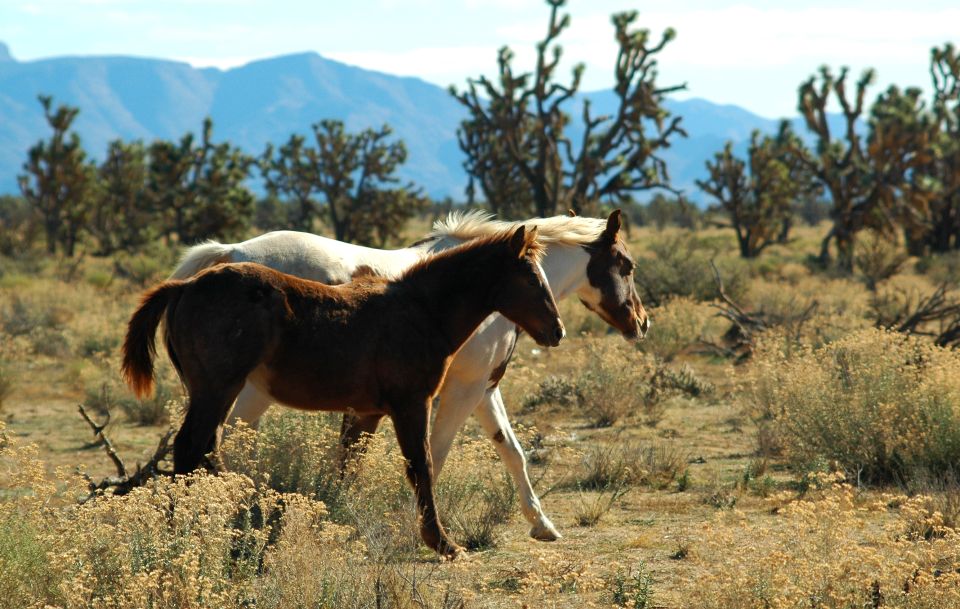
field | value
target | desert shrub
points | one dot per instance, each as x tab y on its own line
676	325
6	385
26	574
823	551
98	278
607	466
941	268
192	542
145	268
98	344
614	384
19	226
594	505
314	471
106	396
52	342
877	258
679	265
22	317
474	495
552	391
881	405
682	379
632	588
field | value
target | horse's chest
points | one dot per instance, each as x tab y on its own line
485	357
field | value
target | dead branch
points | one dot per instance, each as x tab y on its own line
124	482
740	339
914	319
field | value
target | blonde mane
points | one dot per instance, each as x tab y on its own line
561	230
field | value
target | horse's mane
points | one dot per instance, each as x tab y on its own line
562	230
498	238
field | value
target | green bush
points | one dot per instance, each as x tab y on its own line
679	265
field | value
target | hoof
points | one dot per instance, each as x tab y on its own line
454	553
545	531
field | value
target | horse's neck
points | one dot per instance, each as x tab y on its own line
456	295
566	269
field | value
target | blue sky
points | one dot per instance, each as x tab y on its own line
749	53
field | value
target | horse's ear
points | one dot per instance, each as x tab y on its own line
614	222
531	235
571	213
518	242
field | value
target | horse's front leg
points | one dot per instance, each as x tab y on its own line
410	421
493	417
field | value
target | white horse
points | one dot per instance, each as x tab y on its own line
585	256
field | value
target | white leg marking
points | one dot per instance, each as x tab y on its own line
493	417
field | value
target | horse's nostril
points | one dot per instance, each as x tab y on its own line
560	333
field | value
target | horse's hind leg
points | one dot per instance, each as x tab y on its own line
351	430
198	435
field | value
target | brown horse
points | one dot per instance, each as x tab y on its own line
371	346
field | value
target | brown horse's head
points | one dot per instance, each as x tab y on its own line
524	296
610	292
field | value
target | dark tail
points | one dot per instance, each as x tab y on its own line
139	347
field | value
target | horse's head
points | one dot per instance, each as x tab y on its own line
524	296
609	291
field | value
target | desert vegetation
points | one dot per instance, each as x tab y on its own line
787	435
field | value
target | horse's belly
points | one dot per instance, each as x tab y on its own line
314	392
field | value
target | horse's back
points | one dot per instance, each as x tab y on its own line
320	258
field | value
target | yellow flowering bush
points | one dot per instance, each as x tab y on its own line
829	550
200	541
881	405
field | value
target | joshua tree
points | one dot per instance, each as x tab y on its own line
868	179
122	218
516	138
355	173
941	229
58	181
200	187
759	202
291	172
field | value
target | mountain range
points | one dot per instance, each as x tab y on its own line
267	100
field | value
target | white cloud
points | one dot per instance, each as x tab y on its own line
442	65
223	63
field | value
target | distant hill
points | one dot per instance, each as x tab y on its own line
267	100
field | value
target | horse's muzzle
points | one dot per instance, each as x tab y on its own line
639	330
552	338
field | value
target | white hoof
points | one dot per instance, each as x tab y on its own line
545	531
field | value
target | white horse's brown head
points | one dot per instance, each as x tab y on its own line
610	292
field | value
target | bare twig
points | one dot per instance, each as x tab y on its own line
103	439
914	319
745	326
124	482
